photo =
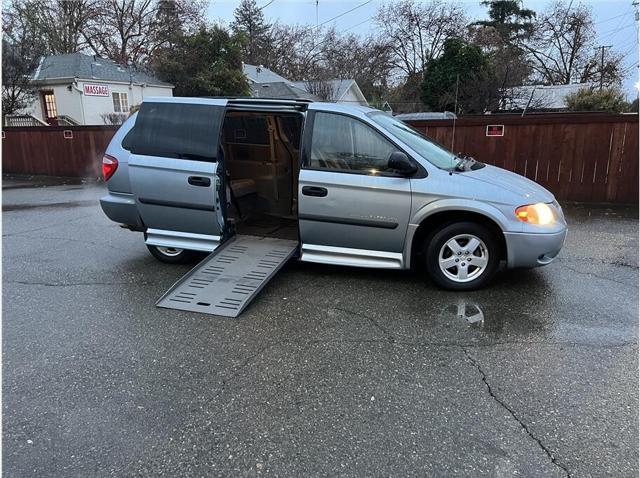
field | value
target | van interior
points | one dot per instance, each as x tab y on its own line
262	159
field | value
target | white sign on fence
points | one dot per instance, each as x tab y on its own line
96	90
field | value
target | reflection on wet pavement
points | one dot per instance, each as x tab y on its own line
470	312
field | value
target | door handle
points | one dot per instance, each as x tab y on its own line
314	191
199	181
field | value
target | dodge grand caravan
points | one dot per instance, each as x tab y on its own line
352	185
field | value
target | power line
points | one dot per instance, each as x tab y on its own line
344	13
615	30
612	18
268	3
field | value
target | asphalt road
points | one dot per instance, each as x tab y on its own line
331	371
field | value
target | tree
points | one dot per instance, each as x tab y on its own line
511	22
59	23
22	48
366	60
130	31
295	51
417	31
462	68
502	37
563	48
205	63
587	99
249	20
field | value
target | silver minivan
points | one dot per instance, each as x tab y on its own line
352	185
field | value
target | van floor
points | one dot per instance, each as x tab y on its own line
266	225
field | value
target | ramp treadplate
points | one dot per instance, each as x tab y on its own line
226	281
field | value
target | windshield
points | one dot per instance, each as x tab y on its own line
433	152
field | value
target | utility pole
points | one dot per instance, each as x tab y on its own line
636	4
601	48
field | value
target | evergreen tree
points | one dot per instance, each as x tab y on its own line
512	22
462	68
204	63
249	21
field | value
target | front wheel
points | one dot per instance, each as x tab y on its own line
462	256
172	255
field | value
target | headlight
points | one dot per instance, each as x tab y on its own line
539	213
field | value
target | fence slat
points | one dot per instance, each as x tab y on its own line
571	151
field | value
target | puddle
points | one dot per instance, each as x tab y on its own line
467	311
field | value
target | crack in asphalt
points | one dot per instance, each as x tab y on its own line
593	274
524	426
245	364
614	263
390	337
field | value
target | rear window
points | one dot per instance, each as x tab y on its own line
177	130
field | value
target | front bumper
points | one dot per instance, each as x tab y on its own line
533	250
121	208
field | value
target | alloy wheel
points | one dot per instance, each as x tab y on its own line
463	258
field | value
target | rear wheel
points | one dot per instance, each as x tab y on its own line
462	256
172	255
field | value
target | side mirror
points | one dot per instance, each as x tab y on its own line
398	161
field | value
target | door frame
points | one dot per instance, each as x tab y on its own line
186	239
347	255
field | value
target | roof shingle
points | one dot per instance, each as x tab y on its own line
89	67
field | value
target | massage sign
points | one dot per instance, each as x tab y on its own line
95	90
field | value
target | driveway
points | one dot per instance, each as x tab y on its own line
330	371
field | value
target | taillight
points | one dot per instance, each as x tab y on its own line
109	166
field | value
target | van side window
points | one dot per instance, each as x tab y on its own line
177	130
126	141
348	145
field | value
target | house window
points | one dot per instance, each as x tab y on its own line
120	102
49	100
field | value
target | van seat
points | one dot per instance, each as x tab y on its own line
243	187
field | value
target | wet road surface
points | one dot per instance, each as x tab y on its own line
330	371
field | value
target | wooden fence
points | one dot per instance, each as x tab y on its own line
589	157
578	157
55	150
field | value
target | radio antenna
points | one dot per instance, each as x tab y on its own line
455	114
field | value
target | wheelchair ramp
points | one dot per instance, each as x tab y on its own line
226	281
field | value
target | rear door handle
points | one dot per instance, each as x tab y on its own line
199	181
314	191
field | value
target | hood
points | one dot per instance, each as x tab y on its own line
530	191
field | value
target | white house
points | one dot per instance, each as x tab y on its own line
75	88
541	97
339	91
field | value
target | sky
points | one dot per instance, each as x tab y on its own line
614	20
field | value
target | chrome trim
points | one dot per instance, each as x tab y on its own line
345	256
182	240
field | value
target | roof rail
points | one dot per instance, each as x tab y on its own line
274	100
260	103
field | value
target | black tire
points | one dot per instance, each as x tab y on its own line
170	255
478	276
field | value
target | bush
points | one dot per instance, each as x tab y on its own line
587	99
